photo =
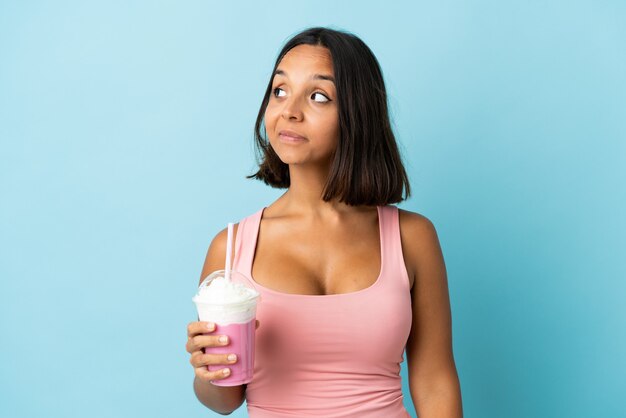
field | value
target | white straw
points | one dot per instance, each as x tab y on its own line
229	245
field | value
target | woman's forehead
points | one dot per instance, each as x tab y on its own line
303	56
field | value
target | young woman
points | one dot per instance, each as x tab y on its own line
347	280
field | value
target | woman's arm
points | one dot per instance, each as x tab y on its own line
221	399
433	379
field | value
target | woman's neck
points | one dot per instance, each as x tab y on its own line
305	193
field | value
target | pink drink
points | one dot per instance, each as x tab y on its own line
241	342
232	307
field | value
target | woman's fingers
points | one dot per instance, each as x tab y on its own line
199	359
199	327
200	362
201	341
206	375
198	338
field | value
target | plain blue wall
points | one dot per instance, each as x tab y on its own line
126	133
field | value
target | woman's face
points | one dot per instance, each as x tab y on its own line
304	101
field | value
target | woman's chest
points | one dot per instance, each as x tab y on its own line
312	262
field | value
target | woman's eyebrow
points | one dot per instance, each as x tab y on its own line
313	77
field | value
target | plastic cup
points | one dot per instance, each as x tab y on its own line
237	320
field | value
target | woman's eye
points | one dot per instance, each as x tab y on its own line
326	99
276	91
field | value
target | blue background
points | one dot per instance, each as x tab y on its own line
126	133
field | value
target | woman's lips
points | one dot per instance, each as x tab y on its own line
290	139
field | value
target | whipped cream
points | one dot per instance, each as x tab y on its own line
222	291
226	302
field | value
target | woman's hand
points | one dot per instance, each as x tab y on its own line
197	340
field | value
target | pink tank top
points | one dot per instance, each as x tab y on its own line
331	356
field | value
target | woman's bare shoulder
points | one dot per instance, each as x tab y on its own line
419	237
414	221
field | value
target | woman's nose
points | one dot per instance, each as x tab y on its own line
292	110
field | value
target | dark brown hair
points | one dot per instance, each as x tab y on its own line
367	168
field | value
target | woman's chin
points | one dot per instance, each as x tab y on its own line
293	158
302	159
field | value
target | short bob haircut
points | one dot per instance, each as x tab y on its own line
366	168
